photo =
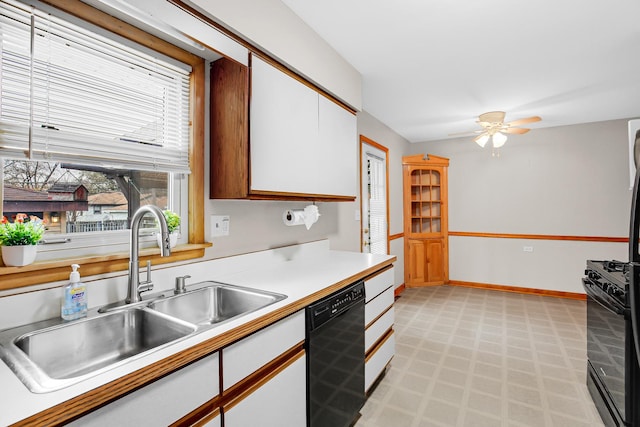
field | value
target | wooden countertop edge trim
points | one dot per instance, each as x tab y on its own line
84	403
540	237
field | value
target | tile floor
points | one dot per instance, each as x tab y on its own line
479	358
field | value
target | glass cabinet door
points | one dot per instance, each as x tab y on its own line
426	201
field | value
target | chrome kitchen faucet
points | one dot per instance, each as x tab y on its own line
135	287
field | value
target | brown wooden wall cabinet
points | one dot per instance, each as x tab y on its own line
229	145
426	245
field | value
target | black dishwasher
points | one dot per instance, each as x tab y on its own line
335	358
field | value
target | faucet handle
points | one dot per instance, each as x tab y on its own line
147	285
180	284
148	271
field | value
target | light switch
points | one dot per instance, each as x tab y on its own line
220	225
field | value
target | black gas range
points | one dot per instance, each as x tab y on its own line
613	377
611	276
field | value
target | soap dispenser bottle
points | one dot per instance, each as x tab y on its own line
74	298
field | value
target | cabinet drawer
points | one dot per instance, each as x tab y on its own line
375	285
215	422
161	402
279	402
376	363
378	305
248	355
374	332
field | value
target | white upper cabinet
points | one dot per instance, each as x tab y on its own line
283	131
338	141
301	142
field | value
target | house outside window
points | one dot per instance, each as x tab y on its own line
121	130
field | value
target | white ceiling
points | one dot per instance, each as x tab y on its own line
430	67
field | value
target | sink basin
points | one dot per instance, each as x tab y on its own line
215	303
52	354
70	350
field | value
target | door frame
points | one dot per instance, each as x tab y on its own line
363	142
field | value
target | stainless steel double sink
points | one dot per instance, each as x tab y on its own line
54	354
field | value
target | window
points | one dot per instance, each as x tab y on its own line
374	196
97	126
73	95
192	197
377	198
78	199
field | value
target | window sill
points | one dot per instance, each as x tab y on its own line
55	270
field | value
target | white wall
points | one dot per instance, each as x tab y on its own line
373	129
564	181
272	26
257	225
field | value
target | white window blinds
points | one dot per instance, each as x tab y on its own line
71	95
377	205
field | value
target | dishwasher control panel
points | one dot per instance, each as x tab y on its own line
346	299
333	305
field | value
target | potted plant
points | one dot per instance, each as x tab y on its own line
173	224
19	239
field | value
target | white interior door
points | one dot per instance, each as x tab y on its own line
374	199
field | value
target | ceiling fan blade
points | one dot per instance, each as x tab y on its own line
518	131
469	132
519	122
492	117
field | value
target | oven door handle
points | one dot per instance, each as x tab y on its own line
602	298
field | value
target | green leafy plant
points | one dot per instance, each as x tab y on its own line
24	230
173	220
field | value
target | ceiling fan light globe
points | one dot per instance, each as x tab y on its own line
482	140
499	139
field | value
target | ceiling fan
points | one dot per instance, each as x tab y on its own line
494	127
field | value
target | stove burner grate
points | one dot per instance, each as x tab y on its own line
614	265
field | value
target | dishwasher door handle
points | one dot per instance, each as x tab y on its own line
320	311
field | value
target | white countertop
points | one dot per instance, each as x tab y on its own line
297	278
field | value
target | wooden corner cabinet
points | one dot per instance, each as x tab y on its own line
426	247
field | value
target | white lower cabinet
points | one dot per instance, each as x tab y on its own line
378	329
161	402
379	318
246	356
215	422
279	402
379	359
260	380
264	377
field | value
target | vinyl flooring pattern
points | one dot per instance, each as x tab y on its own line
480	358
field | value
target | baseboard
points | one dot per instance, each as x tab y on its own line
521	290
397	291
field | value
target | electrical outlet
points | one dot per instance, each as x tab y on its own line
220	225
527	248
